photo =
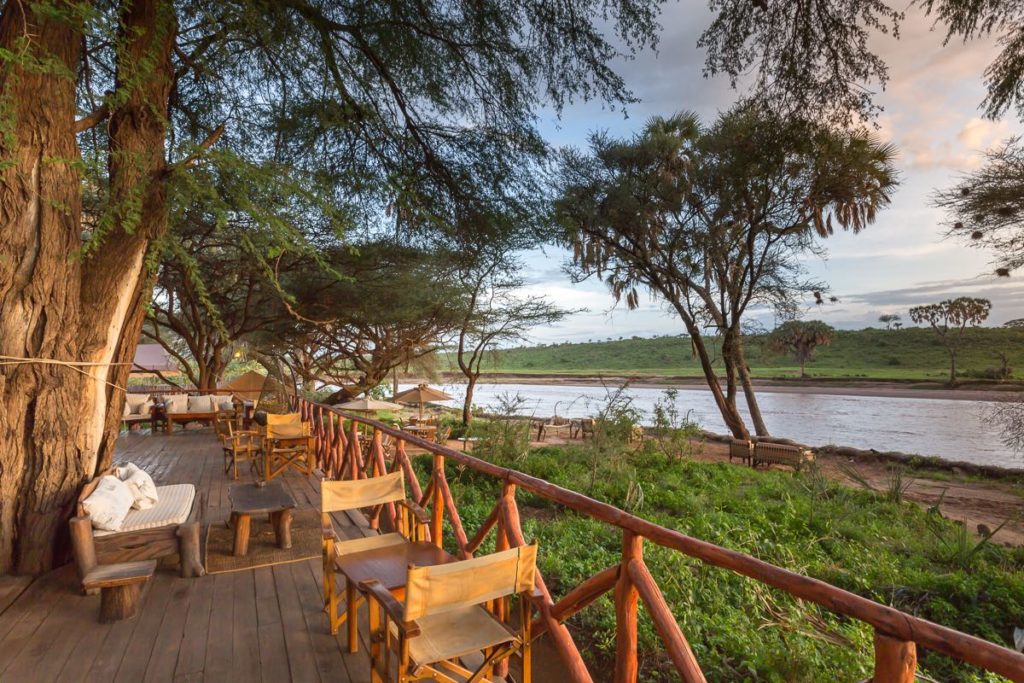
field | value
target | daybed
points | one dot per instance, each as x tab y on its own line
171	526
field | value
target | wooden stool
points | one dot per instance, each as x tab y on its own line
120	587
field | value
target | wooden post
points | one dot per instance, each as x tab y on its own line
437	512
626	599
355	457
665	624
189	550
895	659
83	545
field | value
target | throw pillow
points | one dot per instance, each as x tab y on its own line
140	484
200	404
108	505
176	403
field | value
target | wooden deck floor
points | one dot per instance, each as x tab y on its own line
264	624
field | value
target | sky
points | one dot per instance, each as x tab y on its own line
932	115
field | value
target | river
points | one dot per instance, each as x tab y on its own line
949	429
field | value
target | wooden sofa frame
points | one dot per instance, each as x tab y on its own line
144	544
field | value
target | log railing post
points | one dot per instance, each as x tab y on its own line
626	600
437	512
895	659
354	450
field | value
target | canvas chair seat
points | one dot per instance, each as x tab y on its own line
454	634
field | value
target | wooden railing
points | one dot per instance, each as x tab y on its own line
897	634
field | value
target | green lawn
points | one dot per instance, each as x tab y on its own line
910	354
741	630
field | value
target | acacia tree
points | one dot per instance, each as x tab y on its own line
396	304
713	221
889	319
494	315
987	205
210	296
801	338
405	105
949	319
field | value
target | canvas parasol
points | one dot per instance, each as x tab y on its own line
252	386
420	395
368	405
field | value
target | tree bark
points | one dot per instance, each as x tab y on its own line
730	415
58	423
467	404
753	407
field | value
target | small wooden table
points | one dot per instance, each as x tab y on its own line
271	499
390	566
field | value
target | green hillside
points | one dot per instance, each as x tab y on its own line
914	353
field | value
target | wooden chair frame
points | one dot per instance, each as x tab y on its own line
284	450
411	521
238	445
385	609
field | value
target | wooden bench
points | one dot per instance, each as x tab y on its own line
120	587
92	546
780	454
740	448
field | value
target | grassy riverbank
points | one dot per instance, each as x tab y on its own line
876	546
909	354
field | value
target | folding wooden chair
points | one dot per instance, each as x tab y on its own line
288	443
238	445
444	618
338	496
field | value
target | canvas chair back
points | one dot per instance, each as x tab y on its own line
287	426
336	496
445	587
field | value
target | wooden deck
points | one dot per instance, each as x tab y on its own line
263	624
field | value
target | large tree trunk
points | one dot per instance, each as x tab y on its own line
58	422
753	407
730	415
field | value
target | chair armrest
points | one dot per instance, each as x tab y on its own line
376	591
327	529
418	512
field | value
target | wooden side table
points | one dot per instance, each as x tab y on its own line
251	499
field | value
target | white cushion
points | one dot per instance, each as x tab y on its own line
224	403
201	404
173	507
139	403
127	410
176	403
140	484
108	504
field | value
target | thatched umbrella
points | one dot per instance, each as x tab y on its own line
420	395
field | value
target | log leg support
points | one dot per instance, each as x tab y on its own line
188	550
282	522
120	602
241	547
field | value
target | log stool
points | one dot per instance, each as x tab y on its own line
120	587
